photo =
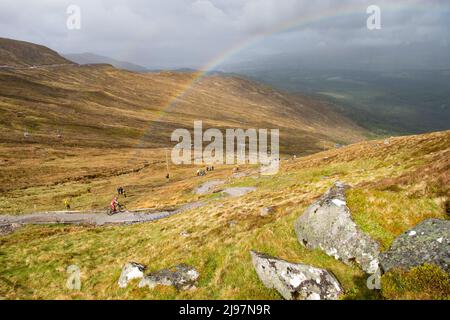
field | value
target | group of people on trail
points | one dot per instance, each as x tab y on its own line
121	192
202	172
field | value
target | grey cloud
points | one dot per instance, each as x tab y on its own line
189	33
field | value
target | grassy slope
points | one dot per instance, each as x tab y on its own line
395	186
100	106
21	53
114	121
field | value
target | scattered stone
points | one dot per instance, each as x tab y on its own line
130	271
185	233
296	281
182	277
266	211
232	223
238	191
327	224
428	242
8	228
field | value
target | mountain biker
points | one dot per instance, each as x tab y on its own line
114	204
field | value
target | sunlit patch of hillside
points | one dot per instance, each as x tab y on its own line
386	199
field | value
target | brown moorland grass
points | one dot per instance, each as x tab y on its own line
34	259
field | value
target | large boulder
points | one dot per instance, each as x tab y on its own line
130	271
426	243
327	224
182	277
296	281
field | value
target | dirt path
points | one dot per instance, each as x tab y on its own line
98	219
9	223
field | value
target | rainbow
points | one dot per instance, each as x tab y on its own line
294	24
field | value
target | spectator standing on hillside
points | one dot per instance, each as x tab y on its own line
67	204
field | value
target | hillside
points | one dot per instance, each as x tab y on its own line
70	135
20	53
100	106
396	184
91	58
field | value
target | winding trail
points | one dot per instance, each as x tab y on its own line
96	219
9	223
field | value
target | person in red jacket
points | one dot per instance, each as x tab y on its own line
114	205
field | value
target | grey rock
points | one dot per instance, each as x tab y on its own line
185	233
296	281
232	223
327	224
238	191
208	186
266	211
8	228
428	242
130	271
182	277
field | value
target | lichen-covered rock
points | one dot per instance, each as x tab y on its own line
182	277
130	271
327	224
8	228
296	281
426	243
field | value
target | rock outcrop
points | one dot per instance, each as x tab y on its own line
130	271
182	277
296	281
426	243
327	224
8	228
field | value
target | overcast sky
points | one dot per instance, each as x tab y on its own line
191	33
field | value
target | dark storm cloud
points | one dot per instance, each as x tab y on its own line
189	33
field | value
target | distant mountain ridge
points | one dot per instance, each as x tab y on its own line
92	58
21	53
97	105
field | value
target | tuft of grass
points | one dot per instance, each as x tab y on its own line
427	282
386	214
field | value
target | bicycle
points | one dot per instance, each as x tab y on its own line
119	208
